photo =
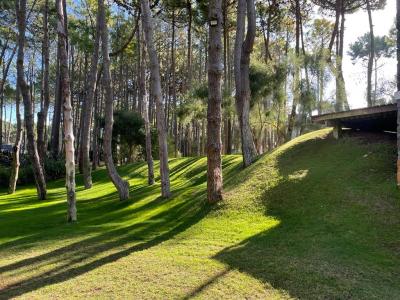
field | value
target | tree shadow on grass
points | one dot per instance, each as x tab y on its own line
107	229
83	256
334	240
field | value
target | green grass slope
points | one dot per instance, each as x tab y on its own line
316	218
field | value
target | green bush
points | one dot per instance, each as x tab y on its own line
4	176
54	169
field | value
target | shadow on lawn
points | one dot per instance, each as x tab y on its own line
330	242
108	225
85	255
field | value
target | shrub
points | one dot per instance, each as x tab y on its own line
4	176
54	169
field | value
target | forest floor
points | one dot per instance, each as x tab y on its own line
316	218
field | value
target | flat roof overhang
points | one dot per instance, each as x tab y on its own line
374	118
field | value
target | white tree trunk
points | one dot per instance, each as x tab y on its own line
68	120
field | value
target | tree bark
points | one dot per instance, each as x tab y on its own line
121	185
398	43
398	88
56	122
296	79
17	146
42	115
143	97
173	86
28	106
341	97
215	71
371	56
156	93
2	85
243	50
92	80
68	120
189	44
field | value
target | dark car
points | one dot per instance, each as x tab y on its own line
6	149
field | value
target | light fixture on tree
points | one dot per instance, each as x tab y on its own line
213	22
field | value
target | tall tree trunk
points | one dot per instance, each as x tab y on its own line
28	107
156	93
96	129
56	122
42	115
215	71
296	79
81	112
371	55
398	44
17	146
68	120
398	88
85	138
341	97
143	98
6	69
121	185
189	45
173	86
243	50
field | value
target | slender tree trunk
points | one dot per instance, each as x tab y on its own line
68	120
243	50
398	88
17	146
95	142
28	106
56	123
398	44
85	138
8	131
81	112
376	82
296	79
42	115
144	99
189	45
371	55
341	97
121	185
6	69
173	86
215	71
156	87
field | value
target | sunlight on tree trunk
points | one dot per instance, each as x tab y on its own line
68	120
156	93
28	105
121	185
215	71
17	146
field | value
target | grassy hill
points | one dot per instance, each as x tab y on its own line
316	218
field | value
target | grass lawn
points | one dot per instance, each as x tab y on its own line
316	218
